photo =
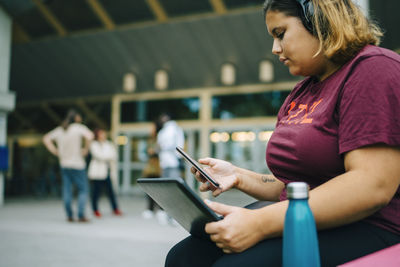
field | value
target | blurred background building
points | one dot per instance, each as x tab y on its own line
122	62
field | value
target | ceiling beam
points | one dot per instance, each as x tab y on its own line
142	24
218	6
158	10
50	17
23	121
91	115
52	114
19	34
102	14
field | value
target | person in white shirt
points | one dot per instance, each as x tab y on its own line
65	142
168	138
103	170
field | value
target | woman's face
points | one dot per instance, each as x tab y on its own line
102	135
295	46
78	118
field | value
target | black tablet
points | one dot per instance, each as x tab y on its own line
198	167
180	202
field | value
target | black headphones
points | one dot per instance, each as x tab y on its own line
307	14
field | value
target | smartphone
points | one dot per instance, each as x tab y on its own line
198	167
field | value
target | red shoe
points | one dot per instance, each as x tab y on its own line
117	212
97	213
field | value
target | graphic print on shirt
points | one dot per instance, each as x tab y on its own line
302	114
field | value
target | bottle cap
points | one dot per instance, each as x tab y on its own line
297	190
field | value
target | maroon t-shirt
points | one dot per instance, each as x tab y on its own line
356	106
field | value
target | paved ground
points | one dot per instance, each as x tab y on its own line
33	232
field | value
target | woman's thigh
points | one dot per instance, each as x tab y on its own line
337	246
193	252
349	242
196	252
265	253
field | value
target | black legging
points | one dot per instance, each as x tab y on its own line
336	246
97	185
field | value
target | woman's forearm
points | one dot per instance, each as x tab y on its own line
370	182
345	199
260	186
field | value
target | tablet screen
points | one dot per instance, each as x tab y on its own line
180	202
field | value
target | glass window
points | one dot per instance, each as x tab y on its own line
149	110
244	148
248	105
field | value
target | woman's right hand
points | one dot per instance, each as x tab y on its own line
222	171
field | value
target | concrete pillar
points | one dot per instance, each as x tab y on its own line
7	99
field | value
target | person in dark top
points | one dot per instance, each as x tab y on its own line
152	170
338	131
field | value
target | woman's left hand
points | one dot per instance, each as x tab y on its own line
239	230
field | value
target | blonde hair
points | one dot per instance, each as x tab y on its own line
342	29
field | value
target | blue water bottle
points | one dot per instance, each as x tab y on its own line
300	241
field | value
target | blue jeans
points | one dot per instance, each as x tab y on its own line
79	178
